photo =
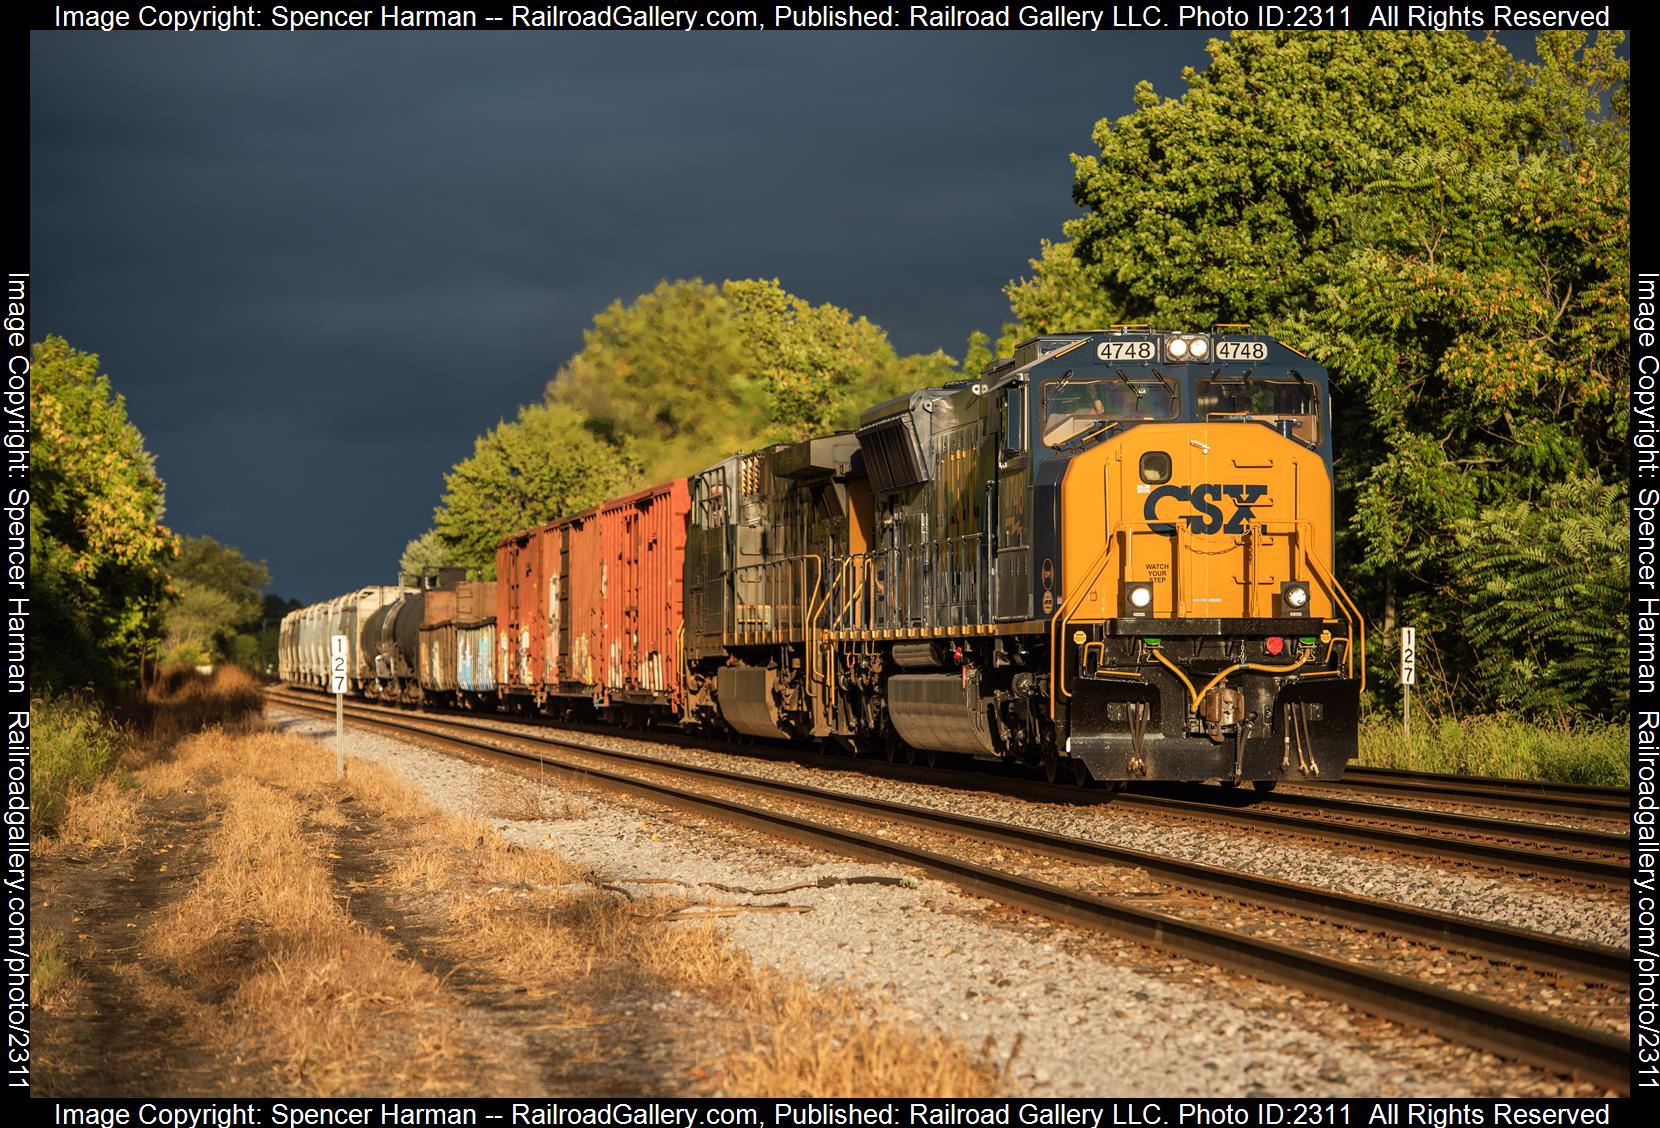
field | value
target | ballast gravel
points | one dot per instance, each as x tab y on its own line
1598	916
1062	1012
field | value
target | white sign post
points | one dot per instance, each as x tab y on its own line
1409	677
337	686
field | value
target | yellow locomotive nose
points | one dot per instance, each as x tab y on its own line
1208	520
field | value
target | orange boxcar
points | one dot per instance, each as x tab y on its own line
589	606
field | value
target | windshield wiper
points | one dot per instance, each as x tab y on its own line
1096	430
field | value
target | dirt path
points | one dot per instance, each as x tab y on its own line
139	1020
126	1028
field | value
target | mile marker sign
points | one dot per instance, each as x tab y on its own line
337	664
337	686
1409	677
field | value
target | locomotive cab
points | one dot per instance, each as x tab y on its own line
1193	622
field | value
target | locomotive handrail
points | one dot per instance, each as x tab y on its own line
861	561
1357	620
1058	623
765	574
1295	528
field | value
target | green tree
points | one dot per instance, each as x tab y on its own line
546	463
1548	599
1445	227
693	372
97	549
426	555
672	382
217	609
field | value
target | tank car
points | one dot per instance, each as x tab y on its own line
391	638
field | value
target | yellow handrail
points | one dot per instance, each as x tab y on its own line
1058	623
1356	618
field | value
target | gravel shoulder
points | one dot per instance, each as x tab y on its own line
1066	1013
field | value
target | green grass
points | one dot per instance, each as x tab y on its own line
49	967
1503	746
72	745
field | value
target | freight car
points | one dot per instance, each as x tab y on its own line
457	659
303	640
1110	557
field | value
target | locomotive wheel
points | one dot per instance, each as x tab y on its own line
1080	773
931	757
1051	765
893	748
1264	785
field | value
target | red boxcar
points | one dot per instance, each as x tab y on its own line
589	606
521	612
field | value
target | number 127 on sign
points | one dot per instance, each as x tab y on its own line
337	664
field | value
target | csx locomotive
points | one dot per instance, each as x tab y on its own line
1109	557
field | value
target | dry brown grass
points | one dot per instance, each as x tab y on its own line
183	701
523	799
266	929
806	1040
263	928
528	917
51	975
104	817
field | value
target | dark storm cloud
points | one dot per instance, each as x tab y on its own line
318	266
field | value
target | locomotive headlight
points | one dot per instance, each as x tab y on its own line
1138	600
1199	348
1177	348
1294	599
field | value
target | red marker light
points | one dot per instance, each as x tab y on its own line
1274	645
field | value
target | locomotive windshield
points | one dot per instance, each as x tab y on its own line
1289	405
1076	409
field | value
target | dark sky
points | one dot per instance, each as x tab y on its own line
319	265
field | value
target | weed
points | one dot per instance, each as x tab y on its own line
1503	746
50	972
72	746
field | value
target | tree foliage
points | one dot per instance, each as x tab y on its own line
216	609
1444	226
1549	615
693	372
426	555
547	462
672	382
97	549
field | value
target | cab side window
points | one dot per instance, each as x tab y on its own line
1012	413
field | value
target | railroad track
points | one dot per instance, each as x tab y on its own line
1446	838
1540	1039
1578	800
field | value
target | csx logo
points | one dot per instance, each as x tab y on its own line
1207	515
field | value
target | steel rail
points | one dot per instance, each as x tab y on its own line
1563	837
1605	802
1409	839
1535	1038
